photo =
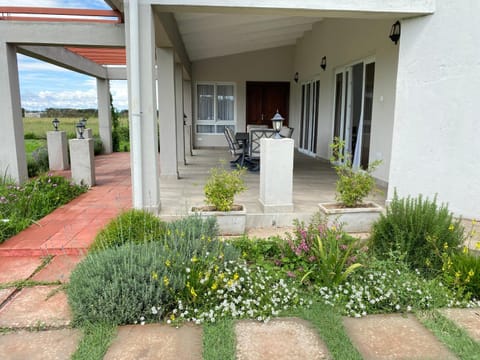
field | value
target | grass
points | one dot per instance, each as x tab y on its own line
454	337
33	144
95	342
219	341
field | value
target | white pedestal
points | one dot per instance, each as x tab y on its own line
81	159
276	175
57	150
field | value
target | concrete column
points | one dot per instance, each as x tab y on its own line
87	134
82	161
167	112
143	106
104	114
57	150
187	109
179	113
13	162
276	175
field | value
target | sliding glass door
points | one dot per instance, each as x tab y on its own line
309	117
353	109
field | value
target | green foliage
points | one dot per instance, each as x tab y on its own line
386	286
353	185
97	145
38	163
222	186
20	206
132	226
120	133
461	271
414	228
219	340
95	341
30	136
134	281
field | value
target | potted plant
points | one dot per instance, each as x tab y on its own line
352	187
220	190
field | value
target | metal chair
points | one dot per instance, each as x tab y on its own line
286	132
253	159
233	146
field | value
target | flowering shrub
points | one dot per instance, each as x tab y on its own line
222	186
389	286
20	206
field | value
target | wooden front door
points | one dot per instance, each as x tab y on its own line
263	100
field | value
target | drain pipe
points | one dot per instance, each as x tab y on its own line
136	114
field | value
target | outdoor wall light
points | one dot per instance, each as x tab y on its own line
80	127
323	64
55	123
295	78
277	122
395	32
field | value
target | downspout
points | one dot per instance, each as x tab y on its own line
136	114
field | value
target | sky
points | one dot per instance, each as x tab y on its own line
43	85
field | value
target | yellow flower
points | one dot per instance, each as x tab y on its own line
451	227
172	317
445	245
477	245
465	250
154	275
168	263
192	291
214	286
216	268
229	282
471	273
235	276
166	281
458	274
221	276
194	259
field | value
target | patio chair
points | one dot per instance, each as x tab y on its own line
256	135
286	132
233	146
255	126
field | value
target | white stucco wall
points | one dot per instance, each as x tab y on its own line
265	65
344	42
436	134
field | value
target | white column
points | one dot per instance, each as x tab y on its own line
167	112
276	175
82	161
57	150
104	114
187	108
13	161
142	104
179	112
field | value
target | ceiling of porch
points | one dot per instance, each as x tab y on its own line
207	35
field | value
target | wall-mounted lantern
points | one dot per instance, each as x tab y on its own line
395	32
295	77
323	64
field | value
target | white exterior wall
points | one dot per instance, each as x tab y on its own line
436	139
345	42
265	65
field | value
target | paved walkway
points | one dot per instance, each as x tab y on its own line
65	236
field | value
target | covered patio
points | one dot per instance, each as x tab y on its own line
313	182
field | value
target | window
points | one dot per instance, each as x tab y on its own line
215	108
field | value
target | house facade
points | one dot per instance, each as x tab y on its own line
197	66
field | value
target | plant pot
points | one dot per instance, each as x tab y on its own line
359	219
229	222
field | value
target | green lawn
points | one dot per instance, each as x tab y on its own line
33	144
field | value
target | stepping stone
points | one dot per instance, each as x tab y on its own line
155	341
288	339
58	269
39	345
394	336
468	319
5	293
31	308
17	268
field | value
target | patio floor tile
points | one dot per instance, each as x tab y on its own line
469	319
278	339
156	341
39	345
5	293
32	307
59	268
394	337
17	268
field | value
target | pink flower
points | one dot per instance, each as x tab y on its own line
343	247
291	274
312	258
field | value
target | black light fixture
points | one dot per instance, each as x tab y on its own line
323	64
295	77
55	123
80	127
395	32
84	121
277	122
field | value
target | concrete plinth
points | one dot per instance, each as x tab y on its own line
57	150
81	160
276	175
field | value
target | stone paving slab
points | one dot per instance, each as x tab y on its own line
156	341
279	339
39	345
18	268
31	308
469	319
5	293
58	269
394	337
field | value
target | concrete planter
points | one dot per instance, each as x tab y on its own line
229	222
353	219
